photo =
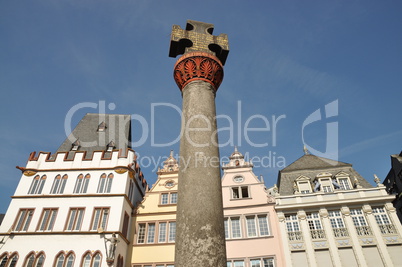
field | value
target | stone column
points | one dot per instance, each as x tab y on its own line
200	233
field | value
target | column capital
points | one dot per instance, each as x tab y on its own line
345	211
198	66
367	209
323	213
301	214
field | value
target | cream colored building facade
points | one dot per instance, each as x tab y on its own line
251	227
331	216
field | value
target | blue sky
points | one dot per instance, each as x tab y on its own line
287	58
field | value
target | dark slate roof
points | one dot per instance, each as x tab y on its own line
309	161
90	138
1	218
310	166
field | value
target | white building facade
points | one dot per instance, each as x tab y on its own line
331	216
74	208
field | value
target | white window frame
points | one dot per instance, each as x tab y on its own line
240	193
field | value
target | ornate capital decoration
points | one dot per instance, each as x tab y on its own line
281	216
367	209
345	211
198	66
301	214
323	213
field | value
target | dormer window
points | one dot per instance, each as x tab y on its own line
102	127
324	183
75	145
303	185
343	181
110	146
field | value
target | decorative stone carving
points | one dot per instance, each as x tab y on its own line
367	209
281	216
301	214
323	213
198	66
345	211
389	207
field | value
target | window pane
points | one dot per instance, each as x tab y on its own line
164	199
40	261
235	225
173	198
255	263
263	225
238	263
172	231
30	261
162	232
226	228
60	261
70	260
141	233
268	262
87	260
244	192
151	233
251	229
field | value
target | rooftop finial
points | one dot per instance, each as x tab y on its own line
305	150
235	148
171	153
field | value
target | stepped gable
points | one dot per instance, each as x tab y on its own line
98	132
310	166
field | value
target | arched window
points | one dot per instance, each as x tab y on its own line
33	260
91	260
59	184
13	260
37	185
81	185
105	184
65	260
3	259
9	261
102	182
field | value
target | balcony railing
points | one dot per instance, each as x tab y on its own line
387	229
363	230
317	234
295	236
340	232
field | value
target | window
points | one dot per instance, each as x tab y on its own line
100	218
91	260
172	231
326	186
257	225
65	260
141	233
265	262
169	198
240	192
381	217
293	228
344	183
81	185
59	184
232	227
314	223
23	219
151	233
105	184
360	223
238	263
11	261
147	232
338	226
162	232
47	219
37	185
303	185
74	219
34	261
125	225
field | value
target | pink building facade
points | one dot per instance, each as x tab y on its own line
251	225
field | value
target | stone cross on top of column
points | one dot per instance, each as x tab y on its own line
197	37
